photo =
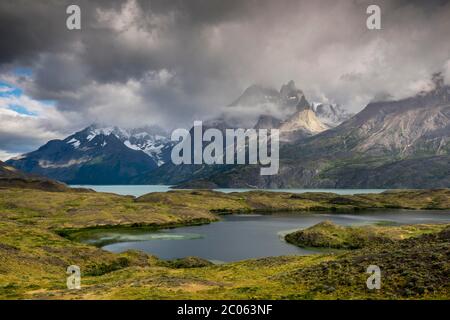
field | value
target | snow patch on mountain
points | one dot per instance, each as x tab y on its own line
74	142
131	146
153	141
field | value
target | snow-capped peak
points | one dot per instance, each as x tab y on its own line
151	140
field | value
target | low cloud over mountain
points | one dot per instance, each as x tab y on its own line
169	62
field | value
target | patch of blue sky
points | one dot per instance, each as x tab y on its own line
21	110
9	90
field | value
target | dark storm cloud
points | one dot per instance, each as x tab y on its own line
172	61
34	34
121	42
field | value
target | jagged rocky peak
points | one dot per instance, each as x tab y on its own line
292	96
304	120
96	154
290	112
152	140
256	94
331	114
293	114
153	132
288	96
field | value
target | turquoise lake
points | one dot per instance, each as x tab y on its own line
139	190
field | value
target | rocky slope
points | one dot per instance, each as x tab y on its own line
390	144
303	123
112	155
97	155
331	114
289	111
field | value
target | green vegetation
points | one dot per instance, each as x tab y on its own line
417	267
35	251
263	201
329	235
75	210
10	177
187	262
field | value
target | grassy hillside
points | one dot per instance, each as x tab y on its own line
34	256
83	209
11	177
329	235
34	263
263	201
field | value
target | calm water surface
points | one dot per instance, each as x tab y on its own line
139	190
240	237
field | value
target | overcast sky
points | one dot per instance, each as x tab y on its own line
170	61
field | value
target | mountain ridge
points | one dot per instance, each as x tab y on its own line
377	148
94	155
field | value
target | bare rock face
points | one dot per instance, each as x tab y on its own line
304	120
257	94
331	114
303	123
389	144
419	125
293	97
287	110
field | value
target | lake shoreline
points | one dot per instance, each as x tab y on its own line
30	249
79	234
139	190
253	236
233	204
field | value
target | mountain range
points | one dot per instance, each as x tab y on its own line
389	144
286	109
99	155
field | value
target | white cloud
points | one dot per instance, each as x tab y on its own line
446	72
21	132
4	89
169	62
5	155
